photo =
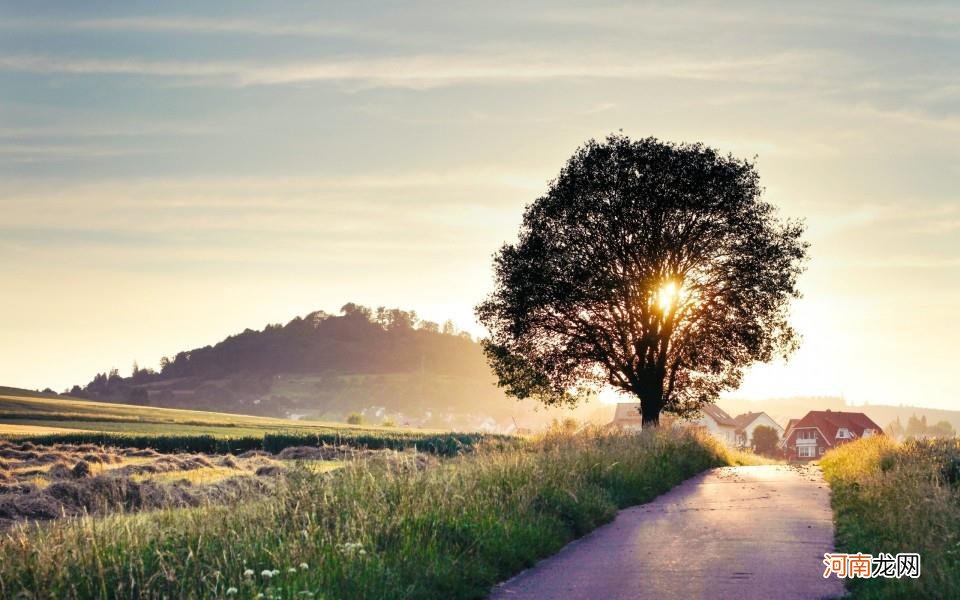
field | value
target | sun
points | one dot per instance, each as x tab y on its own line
667	296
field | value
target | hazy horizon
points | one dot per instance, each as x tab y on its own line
172	175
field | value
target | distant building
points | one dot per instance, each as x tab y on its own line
747	422
712	418
717	422
627	416
821	430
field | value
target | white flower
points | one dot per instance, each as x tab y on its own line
260	595
352	547
304	566
275	572
291	570
231	591
248	573
266	573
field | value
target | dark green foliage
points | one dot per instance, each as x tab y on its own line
361	341
440	444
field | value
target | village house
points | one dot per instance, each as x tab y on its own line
821	430
712	418
748	422
627	416
717	422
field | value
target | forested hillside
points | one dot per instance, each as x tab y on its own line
384	363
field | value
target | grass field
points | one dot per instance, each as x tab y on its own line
891	497
16	429
50	420
104	416
370	529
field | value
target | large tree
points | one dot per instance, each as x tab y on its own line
653	267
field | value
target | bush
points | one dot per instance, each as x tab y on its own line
442	444
354	419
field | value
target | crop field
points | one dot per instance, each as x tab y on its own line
15	429
104	416
46	420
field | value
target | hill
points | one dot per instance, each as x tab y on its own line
383	364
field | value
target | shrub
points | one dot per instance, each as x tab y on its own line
444	444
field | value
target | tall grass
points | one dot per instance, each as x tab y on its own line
890	497
370	530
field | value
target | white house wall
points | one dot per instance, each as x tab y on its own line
724	433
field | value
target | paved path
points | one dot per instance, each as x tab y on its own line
733	532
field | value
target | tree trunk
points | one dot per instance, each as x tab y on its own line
649	414
650	392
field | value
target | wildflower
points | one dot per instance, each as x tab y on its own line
248	573
274	572
291	570
304	566
260	595
352	547
266	573
231	591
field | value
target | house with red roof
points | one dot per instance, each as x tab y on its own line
809	438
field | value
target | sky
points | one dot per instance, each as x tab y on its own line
171	173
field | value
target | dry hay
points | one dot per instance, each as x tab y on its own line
81	470
80	481
141	452
254	454
309	453
59	471
271	471
228	461
103	494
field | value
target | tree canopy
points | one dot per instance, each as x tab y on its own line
653	267
765	440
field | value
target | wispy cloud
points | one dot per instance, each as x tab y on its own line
47	152
188	24
915	20
429	70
